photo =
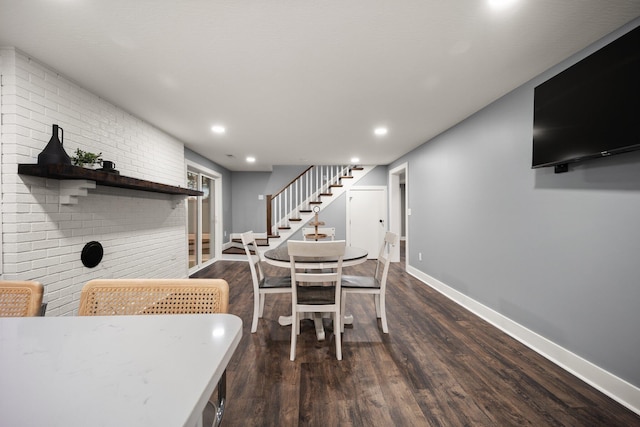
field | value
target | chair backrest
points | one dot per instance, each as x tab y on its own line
153	296
253	256
328	232
20	298
384	258
300	250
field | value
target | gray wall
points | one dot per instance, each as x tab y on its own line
378	176
335	214
557	253
226	186
250	213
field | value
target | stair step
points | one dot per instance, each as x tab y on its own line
357	168
284	228
326	194
235	251
305	211
295	219
318	202
346	177
336	185
259	242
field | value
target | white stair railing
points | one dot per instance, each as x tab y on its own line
301	194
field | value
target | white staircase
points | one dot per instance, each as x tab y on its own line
326	193
292	207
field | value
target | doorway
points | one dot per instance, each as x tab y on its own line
398	208
203	218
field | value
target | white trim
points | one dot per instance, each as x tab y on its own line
616	388
395	221
217	183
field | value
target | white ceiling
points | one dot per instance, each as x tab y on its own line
301	81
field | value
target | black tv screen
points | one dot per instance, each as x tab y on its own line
591	109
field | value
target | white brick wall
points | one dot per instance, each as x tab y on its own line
143	234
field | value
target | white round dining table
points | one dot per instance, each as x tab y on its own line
279	257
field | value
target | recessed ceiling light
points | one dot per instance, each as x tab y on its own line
218	129
251	159
355	160
381	131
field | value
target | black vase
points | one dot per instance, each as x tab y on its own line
53	153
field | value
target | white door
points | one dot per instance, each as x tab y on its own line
367	218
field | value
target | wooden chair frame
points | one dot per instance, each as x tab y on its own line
112	297
20	298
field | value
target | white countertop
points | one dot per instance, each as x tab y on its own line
112	371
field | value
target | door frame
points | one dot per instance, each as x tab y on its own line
216	252
395	208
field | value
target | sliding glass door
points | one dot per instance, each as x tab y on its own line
201	218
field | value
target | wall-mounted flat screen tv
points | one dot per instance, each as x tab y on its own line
591	109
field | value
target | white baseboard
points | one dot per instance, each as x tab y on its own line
616	388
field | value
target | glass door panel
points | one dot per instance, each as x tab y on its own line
192	219
207	218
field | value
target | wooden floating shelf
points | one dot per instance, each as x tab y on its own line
107	179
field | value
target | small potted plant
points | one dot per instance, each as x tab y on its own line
82	158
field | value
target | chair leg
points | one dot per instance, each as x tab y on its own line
383	312
338	336
262	297
376	298
342	308
294	335
256	313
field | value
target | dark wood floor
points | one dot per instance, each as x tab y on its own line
439	366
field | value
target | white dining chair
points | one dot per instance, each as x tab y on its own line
375	285
315	291
326	232
262	284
